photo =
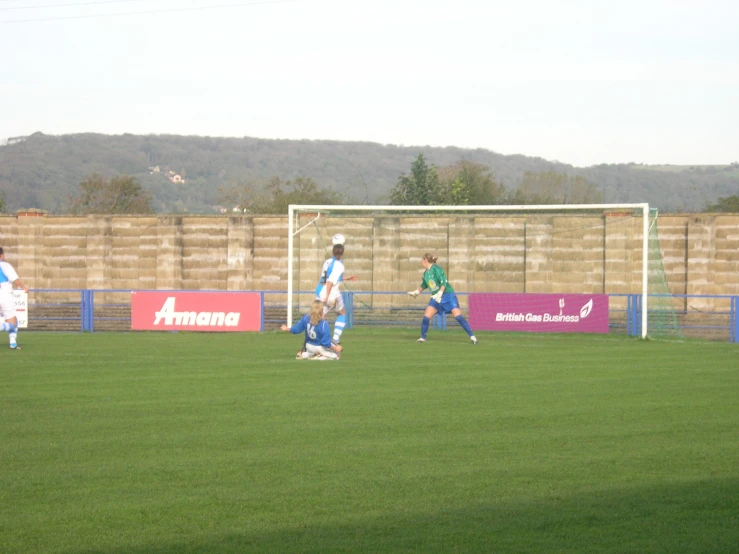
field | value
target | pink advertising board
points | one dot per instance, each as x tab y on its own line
539	313
196	311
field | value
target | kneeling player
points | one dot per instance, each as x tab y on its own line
317	335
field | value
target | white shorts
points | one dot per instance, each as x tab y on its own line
335	303
7	305
318	349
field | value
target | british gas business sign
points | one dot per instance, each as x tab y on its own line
539	313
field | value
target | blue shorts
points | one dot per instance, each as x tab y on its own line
448	303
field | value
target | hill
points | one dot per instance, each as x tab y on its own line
42	171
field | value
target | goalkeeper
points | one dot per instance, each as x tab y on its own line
443	300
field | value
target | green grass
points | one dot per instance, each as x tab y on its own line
183	443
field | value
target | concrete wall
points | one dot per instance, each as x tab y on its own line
512	253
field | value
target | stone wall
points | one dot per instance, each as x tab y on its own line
511	253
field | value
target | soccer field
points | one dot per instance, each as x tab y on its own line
179	442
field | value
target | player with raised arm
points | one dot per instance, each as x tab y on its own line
443	299
8	280
328	290
317	335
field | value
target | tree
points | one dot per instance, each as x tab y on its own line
551	187
121	194
277	195
725	204
303	190
469	183
420	188
242	197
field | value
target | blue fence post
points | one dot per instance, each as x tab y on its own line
734	318
439	322
91	311
85	309
633	315
261	308
349	304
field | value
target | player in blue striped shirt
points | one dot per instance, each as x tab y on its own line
328	290
8	280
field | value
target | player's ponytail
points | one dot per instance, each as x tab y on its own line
429	258
316	312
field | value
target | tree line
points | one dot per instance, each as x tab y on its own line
463	183
43	171
466	183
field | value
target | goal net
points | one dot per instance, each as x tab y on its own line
565	268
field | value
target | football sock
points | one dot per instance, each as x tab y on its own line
7	327
425	326
13	337
328	354
339	327
463	322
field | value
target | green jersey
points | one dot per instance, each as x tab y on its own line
434	278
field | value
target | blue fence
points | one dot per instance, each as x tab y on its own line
82	310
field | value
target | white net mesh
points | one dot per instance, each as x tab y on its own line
596	251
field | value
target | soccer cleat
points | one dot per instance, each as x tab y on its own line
15	347
421	340
473	339
299	355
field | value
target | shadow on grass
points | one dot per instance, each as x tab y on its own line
693	518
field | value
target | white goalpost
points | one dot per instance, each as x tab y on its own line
520	249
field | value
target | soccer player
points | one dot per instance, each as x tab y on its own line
8	280
443	298
317	338
328	290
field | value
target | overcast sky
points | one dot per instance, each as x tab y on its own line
581	82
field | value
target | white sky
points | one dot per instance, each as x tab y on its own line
579	81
